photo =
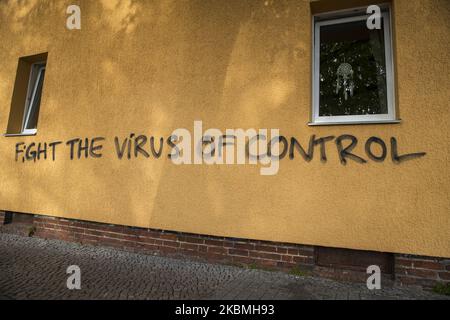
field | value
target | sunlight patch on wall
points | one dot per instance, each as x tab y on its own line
122	15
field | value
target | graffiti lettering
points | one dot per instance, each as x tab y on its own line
88	148
36	151
256	147
345	153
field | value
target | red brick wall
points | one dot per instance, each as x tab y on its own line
420	270
227	250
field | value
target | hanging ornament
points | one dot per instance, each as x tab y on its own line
345	79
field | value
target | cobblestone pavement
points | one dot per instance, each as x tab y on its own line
33	268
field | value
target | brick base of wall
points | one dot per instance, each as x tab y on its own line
160	242
409	270
421	270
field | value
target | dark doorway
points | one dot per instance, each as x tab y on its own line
356	260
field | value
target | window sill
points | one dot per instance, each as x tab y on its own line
20	134
312	124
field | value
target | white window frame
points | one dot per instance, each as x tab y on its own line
38	67
390	117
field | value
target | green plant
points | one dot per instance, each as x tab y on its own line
31	231
442	288
296	271
252	266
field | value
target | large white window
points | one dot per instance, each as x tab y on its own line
352	69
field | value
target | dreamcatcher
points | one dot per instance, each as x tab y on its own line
345	79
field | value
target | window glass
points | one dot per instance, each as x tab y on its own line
35	99
352	70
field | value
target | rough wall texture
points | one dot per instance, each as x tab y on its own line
149	67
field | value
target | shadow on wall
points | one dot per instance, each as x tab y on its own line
122	15
167	63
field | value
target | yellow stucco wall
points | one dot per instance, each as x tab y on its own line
149	67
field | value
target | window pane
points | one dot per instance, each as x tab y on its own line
352	70
35	103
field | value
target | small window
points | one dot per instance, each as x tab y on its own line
33	98
26	100
353	71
